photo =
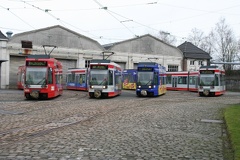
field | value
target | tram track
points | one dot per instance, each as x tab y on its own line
64	120
28	110
27	106
12	136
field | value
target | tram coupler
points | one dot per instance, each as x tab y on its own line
34	94
143	92
206	92
97	93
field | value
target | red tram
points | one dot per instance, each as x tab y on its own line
43	77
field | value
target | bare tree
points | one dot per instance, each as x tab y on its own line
167	37
207	43
198	38
195	37
225	47
220	43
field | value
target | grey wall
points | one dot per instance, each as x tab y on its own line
58	36
147	45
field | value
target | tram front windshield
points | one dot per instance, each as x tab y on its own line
145	78
207	80
98	77
36	76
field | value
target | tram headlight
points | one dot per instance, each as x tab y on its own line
26	90
139	86
149	86
104	87
91	87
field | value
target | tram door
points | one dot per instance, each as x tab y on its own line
174	82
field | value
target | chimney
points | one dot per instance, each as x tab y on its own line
9	34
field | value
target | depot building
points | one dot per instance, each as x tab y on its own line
75	50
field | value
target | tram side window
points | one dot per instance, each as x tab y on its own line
77	78
71	78
155	78
58	79
216	83
50	81
118	78
83	78
118	81
192	80
110	77
169	79
164	80
130	78
182	80
126	78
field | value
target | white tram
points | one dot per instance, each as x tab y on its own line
182	81
211	81
105	79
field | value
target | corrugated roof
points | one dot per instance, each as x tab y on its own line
191	51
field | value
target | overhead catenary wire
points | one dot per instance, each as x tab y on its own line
17	16
105	8
48	11
109	9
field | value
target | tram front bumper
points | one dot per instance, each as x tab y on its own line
145	92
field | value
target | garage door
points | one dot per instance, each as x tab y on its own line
135	65
15	62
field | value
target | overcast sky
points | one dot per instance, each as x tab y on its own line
108	21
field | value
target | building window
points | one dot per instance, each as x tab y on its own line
87	62
172	68
200	63
191	62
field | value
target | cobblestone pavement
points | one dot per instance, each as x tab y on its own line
178	125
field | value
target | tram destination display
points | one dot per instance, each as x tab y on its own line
103	67
207	72
36	63
145	69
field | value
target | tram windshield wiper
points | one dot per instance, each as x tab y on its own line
104	80
148	82
42	80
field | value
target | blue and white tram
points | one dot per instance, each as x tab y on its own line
104	79
77	79
151	79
